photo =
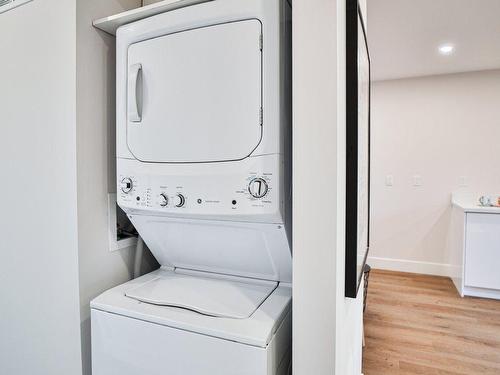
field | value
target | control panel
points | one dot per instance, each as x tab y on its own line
223	189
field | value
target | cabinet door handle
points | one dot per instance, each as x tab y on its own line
134	103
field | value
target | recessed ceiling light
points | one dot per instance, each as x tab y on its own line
446	49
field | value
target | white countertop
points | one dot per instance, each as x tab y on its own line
469	202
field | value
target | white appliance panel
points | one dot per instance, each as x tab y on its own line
275	17
482	251
195	96
207	294
219	191
126	346
259	251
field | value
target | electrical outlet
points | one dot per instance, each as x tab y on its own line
417	180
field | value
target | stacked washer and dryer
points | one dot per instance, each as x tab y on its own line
204	174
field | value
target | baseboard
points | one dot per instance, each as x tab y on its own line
481	292
402	265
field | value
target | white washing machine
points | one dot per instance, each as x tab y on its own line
204	174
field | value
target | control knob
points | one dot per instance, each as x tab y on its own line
179	200
163	200
258	187
126	185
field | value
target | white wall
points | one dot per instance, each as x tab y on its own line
441	128
326	326
99	268
39	316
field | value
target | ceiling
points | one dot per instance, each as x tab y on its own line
404	36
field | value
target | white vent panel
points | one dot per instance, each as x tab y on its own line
6	5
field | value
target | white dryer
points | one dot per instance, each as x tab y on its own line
204	174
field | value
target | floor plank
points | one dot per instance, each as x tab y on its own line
419	325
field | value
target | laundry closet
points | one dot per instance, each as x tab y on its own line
204	174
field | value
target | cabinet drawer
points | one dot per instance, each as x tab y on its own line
482	251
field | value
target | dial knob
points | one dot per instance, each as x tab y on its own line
179	200
258	187
126	185
163	200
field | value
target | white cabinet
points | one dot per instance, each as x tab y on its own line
474	248
482	250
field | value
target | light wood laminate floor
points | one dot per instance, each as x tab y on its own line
417	324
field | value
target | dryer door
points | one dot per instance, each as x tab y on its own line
195	96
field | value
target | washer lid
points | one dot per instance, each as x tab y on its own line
196	95
213	295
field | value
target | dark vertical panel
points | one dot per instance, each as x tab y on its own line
353	18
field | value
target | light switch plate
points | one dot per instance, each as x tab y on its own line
389	180
417	180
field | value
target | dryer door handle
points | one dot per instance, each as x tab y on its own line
134	93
